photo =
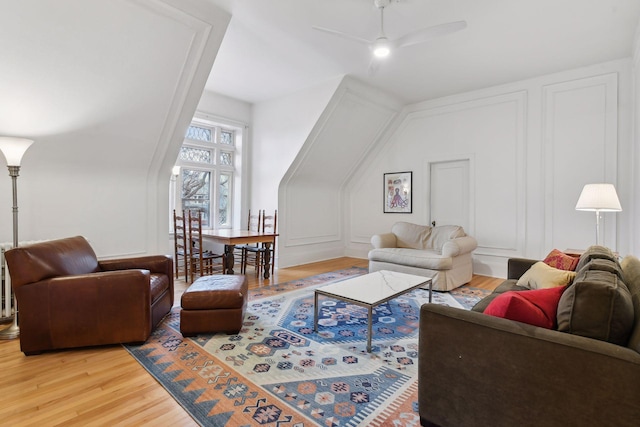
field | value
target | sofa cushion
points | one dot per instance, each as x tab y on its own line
412	258
442	234
535	307
595	252
598	306
601	264
413	236
561	261
540	276
631	269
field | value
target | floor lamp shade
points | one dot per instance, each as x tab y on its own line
598	198
14	148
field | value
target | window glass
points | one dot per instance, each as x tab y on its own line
197	155
224	193
226	158
196	192
226	137
199	133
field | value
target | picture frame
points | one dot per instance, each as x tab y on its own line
398	195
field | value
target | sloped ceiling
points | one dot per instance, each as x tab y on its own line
106	88
271	49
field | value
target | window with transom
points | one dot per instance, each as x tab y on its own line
205	172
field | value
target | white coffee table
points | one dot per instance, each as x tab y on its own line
370	290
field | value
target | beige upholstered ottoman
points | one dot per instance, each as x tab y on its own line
214	304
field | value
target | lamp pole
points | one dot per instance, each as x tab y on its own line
13	150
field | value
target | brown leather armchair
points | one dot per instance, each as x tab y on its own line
67	298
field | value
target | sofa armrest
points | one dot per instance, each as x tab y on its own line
476	369
385	240
516	267
459	246
158	264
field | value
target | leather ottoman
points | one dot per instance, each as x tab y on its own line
214	304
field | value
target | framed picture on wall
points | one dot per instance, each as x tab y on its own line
397	192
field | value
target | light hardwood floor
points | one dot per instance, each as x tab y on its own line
105	386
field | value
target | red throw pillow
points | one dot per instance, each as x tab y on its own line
537	307
561	261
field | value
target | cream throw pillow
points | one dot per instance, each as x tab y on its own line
541	276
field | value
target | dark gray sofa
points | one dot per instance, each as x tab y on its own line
480	370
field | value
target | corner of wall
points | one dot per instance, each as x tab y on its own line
311	194
208	24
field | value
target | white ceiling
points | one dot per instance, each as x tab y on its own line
271	50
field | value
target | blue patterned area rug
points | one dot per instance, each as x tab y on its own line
278	372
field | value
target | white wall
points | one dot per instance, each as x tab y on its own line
280	128
108	110
634	184
311	195
533	145
224	108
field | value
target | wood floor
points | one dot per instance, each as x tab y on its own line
105	386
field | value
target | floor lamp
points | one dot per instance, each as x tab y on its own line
598	198
13	150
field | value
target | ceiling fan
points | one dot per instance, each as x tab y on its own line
381	46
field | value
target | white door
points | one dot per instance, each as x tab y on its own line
449	193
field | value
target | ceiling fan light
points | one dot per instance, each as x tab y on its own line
381	48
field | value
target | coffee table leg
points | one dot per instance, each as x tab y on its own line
430	289
369	329
315	312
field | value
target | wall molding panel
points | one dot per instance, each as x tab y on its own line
535	143
579	117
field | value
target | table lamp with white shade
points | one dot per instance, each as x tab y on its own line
13	150
598	198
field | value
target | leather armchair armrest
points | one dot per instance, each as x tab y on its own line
125	290
159	264
459	246
385	240
473	366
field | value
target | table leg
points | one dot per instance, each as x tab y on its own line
267	259
430	289
369	329
229	259
315	312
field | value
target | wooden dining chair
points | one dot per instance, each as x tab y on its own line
255	255
180	246
269	223
202	262
254	223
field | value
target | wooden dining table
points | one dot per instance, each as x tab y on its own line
230	238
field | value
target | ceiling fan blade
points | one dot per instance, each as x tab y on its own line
425	34
343	35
